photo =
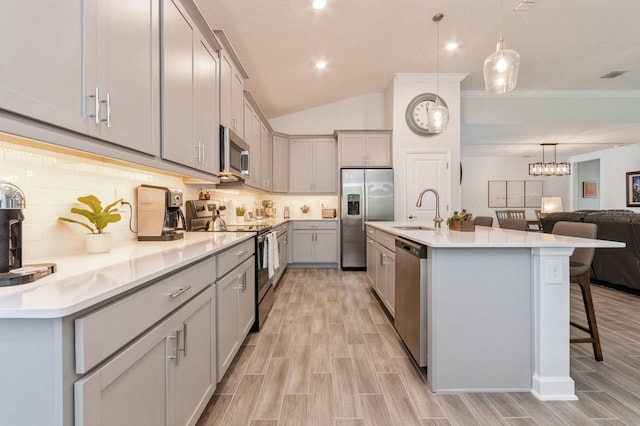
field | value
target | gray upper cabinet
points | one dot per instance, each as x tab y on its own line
232	75
40	76
121	52
190	102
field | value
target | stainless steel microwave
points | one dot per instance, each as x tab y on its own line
234	156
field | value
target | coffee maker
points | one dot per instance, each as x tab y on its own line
159	213
12	271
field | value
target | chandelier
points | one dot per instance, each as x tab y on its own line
552	168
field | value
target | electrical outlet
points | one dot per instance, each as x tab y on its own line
554	272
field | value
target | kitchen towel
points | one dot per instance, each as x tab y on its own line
271	255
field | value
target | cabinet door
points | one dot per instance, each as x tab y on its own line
326	246
378	150
324	165
379	274
207	134
389	278
41	63
226	71
302	246
266	161
280	164
128	54
177	103
247	299
227	324
371	262
300	165
352	150
256	150
131	389
237	102
195	370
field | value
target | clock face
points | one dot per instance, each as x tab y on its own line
416	114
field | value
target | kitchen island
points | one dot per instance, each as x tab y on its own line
497	308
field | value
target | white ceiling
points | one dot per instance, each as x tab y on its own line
565	45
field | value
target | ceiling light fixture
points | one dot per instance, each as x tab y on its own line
549	169
452	45
501	67
437	112
319	4
321	65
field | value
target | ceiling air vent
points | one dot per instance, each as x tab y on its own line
524	5
613	74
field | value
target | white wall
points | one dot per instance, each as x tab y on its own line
614	164
586	171
478	171
365	112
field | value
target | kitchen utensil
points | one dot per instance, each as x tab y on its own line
259	214
286	212
219	224
269	211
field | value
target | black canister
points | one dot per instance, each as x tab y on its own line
12	202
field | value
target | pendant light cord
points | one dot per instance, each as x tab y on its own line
437	18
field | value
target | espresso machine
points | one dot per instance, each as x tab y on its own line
12	271
159	213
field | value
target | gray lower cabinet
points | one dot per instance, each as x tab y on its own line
381	266
236	298
165	377
314	242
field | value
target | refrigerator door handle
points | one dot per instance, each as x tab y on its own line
365	213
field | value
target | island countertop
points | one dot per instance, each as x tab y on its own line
484	236
83	281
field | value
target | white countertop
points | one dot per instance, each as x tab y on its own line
83	281
486	237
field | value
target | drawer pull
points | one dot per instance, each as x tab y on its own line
179	291
241	253
315	226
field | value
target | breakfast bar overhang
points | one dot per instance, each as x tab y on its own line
497	308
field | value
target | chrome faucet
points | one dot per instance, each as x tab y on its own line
436	220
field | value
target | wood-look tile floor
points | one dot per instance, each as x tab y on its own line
328	355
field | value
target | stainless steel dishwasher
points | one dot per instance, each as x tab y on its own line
411	298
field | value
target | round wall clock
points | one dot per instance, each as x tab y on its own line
416	114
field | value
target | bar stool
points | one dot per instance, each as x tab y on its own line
580	273
517	224
483	221
516	214
501	215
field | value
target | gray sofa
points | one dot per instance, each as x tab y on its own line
618	268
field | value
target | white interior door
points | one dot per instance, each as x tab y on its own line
426	170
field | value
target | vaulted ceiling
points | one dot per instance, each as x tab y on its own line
565	46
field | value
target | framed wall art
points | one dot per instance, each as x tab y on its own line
589	189
633	189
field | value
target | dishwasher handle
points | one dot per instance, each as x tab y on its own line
413	248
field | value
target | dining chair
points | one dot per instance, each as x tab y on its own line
516	214
502	214
517	224
580	273
483	221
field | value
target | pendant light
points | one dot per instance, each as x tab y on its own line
501	67
552	168
437	113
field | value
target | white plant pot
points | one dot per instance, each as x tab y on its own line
98	243
239	219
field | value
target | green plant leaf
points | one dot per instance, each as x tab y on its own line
66	219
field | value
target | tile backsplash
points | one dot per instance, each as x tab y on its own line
52	182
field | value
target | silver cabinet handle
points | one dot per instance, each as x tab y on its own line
178	333
179	291
108	110
96	102
202	153
412	216
315	226
177	354
184	339
239	285
244	281
241	253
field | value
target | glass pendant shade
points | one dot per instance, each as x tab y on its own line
437	116
501	70
437	112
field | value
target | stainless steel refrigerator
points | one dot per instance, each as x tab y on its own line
366	196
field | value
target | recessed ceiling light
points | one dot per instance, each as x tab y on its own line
319	4
321	65
452	46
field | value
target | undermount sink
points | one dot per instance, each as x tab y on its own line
413	228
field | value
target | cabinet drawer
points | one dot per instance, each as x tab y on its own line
103	332
385	239
329	224
371	232
230	258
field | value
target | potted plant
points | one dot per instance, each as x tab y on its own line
240	211
461	221
97	240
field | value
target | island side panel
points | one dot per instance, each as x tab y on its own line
480	329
